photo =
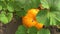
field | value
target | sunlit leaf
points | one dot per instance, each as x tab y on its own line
52	19
3	18
45	4
51	3
2	0
9	16
0	7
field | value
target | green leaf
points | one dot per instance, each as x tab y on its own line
52	15
51	3
45	4
57	3
10	6
0	7
21	30
3	4
3	18
21	13
9	16
43	31
57	17
42	17
32	30
2	0
22	2
52	19
25	4
17	5
31	4
34	3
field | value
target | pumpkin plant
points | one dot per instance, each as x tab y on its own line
7	10
49	16
33	18
29	19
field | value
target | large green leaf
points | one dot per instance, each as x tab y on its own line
3	18
51	3
52	15
32	30
43	31
57	17
42	17
21	30
48	18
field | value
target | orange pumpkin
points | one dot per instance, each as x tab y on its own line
39	26
28	22
30	16
29	19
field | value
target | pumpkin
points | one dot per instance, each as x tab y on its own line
29	19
